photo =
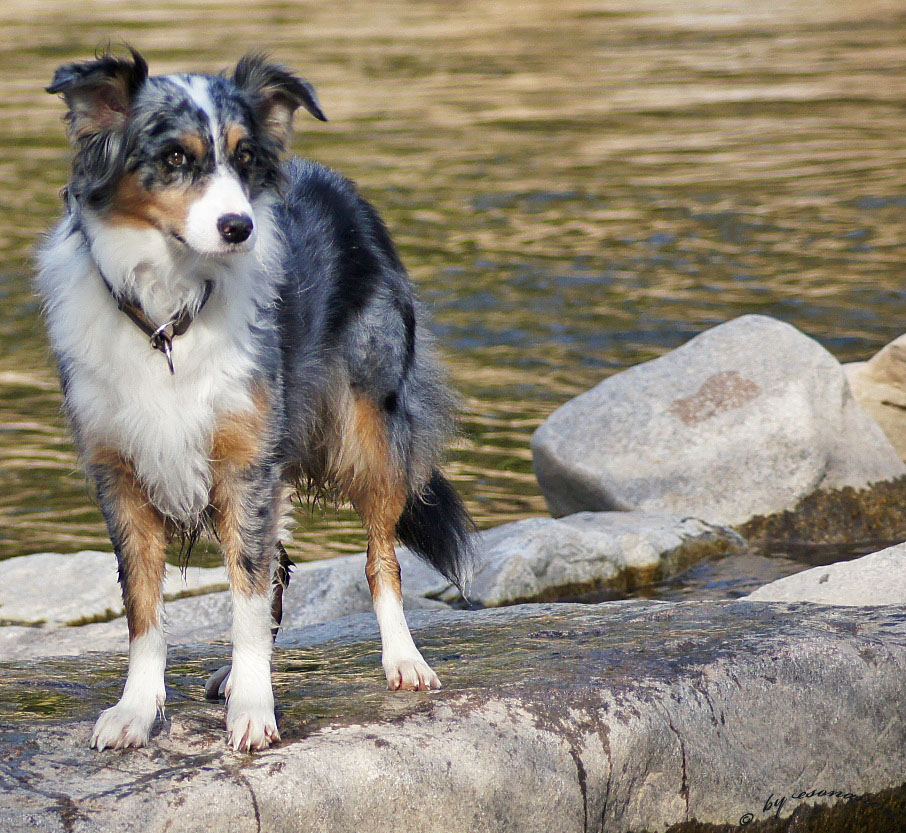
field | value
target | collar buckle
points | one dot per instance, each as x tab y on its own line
162	340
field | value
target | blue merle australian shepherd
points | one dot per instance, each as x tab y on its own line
228	324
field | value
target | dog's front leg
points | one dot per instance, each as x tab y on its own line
138	534
244	503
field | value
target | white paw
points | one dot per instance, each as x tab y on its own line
250	727
250	712
122	726
409	674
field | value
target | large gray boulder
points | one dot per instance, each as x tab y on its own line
746	419
876	579
620	717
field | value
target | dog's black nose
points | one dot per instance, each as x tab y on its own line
235	228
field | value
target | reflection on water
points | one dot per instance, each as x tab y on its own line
576	187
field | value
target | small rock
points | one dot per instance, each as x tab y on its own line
746	419
543	559
876	579
879	386
320	591
18	642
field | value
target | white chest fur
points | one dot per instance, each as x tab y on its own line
121	394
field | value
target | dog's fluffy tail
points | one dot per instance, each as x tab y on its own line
437	527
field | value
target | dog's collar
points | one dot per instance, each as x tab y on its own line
160	336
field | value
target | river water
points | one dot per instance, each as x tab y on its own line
575	187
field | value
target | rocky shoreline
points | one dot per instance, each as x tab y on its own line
623	716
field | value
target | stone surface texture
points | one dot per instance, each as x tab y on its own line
55	589
746	419
876	579
626	716
879	386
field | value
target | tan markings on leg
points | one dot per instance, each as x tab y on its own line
238	437
162	208
357	461
143	546
383	570
359	456
237	443
377	491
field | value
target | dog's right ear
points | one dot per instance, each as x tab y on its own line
99	93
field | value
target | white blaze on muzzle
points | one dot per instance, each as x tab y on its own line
223	197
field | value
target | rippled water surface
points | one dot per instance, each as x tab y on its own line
575	187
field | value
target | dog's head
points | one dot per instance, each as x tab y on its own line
185	155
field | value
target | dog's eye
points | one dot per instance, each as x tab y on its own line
176	159
244	156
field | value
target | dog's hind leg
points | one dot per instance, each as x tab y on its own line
139	538
404	666
378	491
279	584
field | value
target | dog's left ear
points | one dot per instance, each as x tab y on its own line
276	94
99	93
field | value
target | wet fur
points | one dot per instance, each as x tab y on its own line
308	363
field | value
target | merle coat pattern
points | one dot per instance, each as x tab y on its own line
294	353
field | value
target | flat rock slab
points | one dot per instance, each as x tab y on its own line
626	716
876	579
747	419
54	589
